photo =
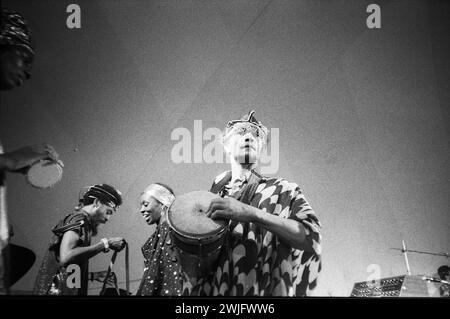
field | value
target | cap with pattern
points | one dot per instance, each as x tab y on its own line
250	119
14	31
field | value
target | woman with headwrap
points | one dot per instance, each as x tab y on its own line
162	276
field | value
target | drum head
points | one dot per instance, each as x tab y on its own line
44	174
187	215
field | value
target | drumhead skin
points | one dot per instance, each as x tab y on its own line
44	174
187	215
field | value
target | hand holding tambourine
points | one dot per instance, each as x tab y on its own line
45	173
40	163
21	159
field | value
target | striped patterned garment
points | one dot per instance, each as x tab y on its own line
255	262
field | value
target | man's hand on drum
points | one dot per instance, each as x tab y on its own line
230	208
116	243
27	156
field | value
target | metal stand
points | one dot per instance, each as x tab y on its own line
404	251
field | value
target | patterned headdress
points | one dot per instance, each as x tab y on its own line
14	31
104	193
250	119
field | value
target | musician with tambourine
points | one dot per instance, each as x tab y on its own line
270	244
70	248
41	160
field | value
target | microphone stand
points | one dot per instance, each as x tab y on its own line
404	251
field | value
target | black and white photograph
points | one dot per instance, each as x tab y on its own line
226	148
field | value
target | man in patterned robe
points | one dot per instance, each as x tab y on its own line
274	241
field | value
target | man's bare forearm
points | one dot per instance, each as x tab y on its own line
288	230
79	254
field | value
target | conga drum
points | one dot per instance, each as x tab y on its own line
197	239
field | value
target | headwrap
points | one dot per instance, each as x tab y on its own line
14	31
104	193
249	119
160	193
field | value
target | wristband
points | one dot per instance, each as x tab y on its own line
106	244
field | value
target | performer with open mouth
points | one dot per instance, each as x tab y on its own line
273	246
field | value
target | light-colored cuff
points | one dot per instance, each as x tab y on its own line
106	244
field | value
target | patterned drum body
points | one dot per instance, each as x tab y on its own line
197	238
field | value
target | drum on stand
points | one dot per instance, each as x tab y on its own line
197	238
44	173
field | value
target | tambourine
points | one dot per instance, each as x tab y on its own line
44	174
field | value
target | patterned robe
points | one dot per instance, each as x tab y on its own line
52	277
162	276
255	262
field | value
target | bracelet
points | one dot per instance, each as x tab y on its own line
106	244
